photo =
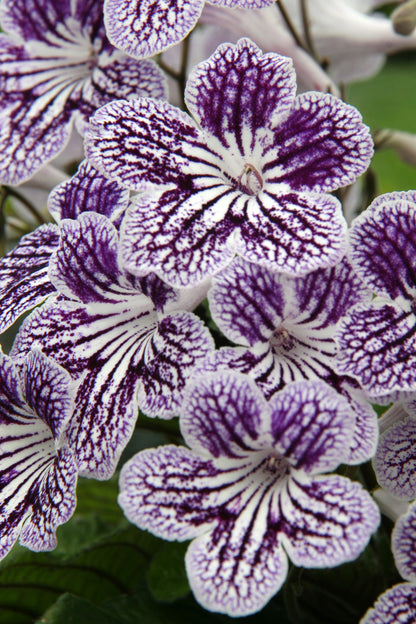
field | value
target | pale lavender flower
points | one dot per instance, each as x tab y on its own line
129	342
56	68
251	176
250	493
37	469
377	342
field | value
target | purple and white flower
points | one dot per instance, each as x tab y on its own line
250	492
377	341
24	278
143	28
285	326
37	470
250	176
56	68
127	341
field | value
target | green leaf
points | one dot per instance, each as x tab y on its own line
166	576
69	609
114	565
100	498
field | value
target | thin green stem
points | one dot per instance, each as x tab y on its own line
11	192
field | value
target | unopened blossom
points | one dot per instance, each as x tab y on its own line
249	492
129	342
37	469
56	68
285	327
24	278
250	175
143	28
377	341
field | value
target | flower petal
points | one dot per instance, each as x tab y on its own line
239	92
141	142
377	347
383	245
167	491
403	541
87	190
395	460
224	415
312	426
183	243
295	234
323	145
180	342
143	28
237	567
397	605
327	521
24	274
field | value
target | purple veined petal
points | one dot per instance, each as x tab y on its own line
165	491
54	503
377	346
33	19
291	233
24	274
49	391
37	481
312	426
104	351
403	542
85	265
247	302
142	28
141	142
366	430
88	190
321	298
32	132
183	243
118	77
383	245
395	460
225	414
238	566
239	92
179	343
323	145
327	521
397	605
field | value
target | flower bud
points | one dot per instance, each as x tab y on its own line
404	18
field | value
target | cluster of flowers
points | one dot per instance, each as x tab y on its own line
231	202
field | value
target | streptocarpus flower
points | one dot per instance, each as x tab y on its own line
377	342
56	68
24	279
251	178
128	342
37	469
143	28
287	325
249	492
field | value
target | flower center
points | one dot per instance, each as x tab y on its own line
281	340
250	180
278	465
